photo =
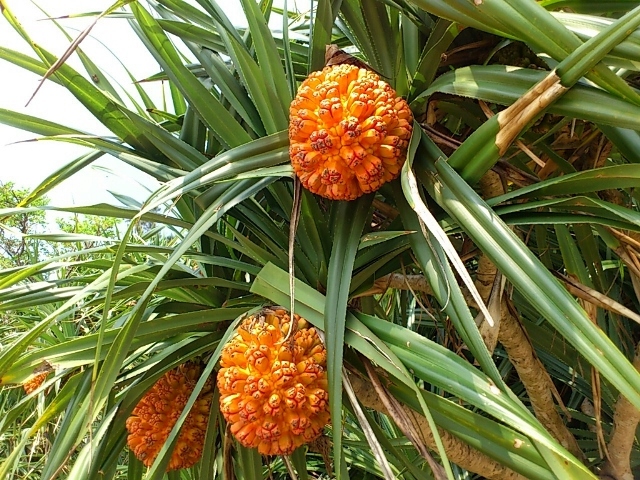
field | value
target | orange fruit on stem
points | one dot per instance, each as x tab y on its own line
273	390
34	382
158	410
348	132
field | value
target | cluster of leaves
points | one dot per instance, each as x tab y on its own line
144	303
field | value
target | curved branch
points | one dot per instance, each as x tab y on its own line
623	436
535	378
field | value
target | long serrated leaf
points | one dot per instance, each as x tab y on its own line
272	284
325	13
589	6
212	112
82	350
509	123
216	168
24	61
615	176
442	279
533	281
351	220
412	194
100	105
9	355
359	34
504	85
376	21
594	211
376	448
231	90
441	37
625	54
267	53
528	22
263	94
427	363
591	52
119	348
288	61
59	176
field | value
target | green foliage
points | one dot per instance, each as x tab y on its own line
117	296
16	249
89	225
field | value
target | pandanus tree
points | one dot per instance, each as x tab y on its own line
471	310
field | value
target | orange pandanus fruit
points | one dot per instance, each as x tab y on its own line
348	132
157	412
34	383
273	389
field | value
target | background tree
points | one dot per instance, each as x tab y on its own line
17	249
520	176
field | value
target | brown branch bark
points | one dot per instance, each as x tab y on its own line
535	379
623	436
626	416
458	452
511	334
417	283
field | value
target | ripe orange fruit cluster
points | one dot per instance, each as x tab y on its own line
157	412
273	394
348	132
273	391
34	383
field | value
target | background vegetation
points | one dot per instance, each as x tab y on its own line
520	184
